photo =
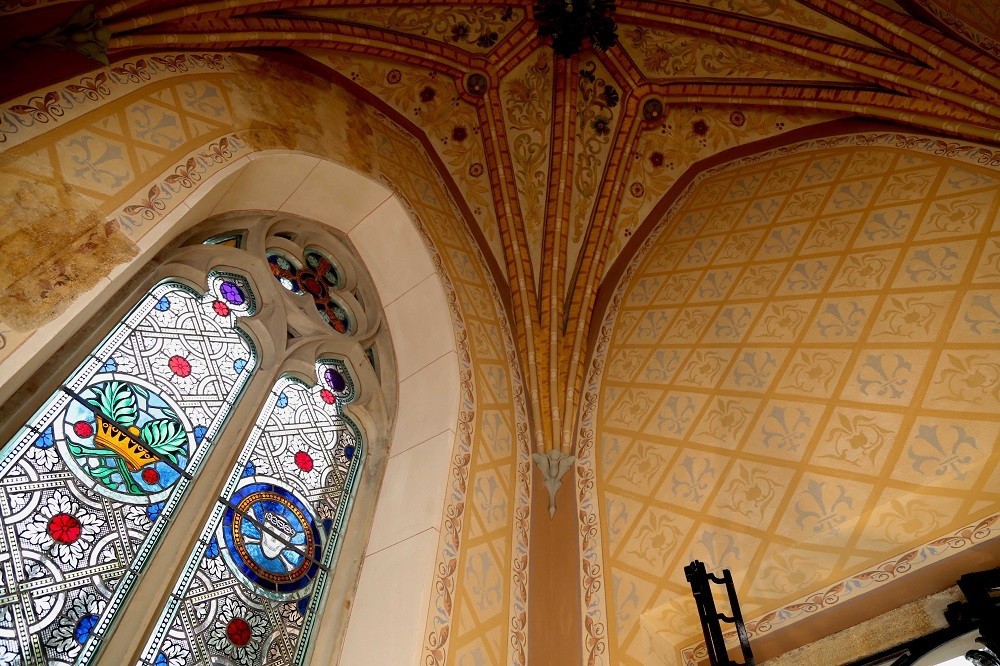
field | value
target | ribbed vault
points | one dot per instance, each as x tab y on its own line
561	160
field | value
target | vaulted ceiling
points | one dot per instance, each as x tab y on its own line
561	161
564	167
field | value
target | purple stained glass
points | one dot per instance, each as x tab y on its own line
335	380
232	293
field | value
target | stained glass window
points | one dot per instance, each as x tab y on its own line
254	583
89	483
226	240
286	269
320	277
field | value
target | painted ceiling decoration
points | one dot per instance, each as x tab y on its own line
782	392
560	160
756	301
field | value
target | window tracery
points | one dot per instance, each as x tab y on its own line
90	483
253	584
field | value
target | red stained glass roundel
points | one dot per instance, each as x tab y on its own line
64	528
238	631
318	278
304	461
179	365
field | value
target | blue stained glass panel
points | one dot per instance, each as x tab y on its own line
250	591
87	485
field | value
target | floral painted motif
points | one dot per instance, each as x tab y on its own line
812	371
724	422
676	414
864	271
785	429
823	507
664	54
475	28
781	320
971	378
692	478
792	571
703	368
907	317
933	265
597	99
955	217
528	115
872	309
885	376
750	493
906	521
943	451
654	538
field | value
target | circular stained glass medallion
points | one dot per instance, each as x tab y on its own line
323	268
272	541
286	270
127	442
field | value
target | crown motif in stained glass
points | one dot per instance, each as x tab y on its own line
112	437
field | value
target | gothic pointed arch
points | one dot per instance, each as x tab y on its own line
206	341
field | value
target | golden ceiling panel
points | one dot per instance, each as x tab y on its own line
686	135
598	123
432	102
661	54
474	28
795	15
526	100
802	382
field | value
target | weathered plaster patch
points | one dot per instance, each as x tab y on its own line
54	245
290	96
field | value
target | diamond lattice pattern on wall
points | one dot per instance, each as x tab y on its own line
803	380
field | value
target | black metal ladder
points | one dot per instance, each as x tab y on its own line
709	616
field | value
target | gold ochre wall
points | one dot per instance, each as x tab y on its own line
90	167
799	380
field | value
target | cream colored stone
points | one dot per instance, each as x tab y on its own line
267	182
421	326
208	195
336	196
387	623
393	251
412	492
428	403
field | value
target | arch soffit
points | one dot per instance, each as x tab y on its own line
276	182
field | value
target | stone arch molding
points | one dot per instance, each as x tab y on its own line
399	501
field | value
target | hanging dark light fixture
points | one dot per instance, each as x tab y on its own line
574	24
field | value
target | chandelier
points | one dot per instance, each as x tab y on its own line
573	24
